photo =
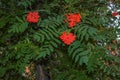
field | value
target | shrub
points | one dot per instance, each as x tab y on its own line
70	37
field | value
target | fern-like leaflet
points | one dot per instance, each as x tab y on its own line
78	53
18	27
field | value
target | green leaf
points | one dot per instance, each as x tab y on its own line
77	51
92	31
2	71
83	59
84	53
4	21
54	44
51	48
19	20
77	58
18	27
72	49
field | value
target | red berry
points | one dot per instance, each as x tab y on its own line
72	19
67	38
115	14
33	17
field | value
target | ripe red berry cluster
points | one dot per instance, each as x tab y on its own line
72	19
67	38
114	14
33	17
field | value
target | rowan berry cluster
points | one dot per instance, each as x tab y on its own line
67	38
73	18
33	17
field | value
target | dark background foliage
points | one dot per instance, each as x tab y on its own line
87	58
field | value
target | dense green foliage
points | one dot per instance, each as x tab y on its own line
87	58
